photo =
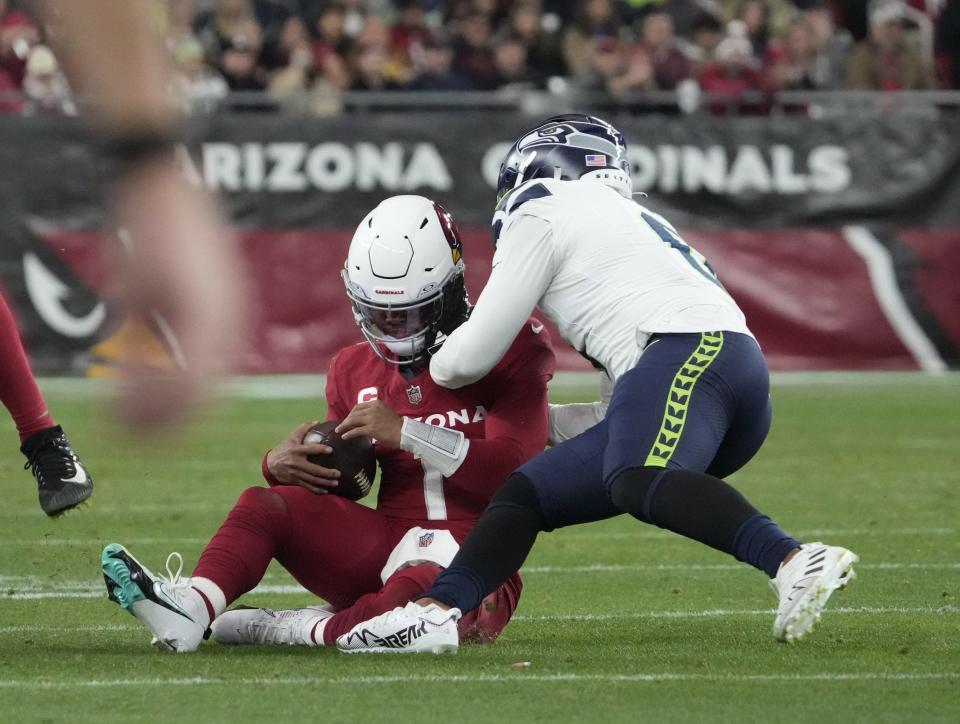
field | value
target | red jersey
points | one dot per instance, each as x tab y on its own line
504	415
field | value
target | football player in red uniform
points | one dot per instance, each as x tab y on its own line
63	481
442	453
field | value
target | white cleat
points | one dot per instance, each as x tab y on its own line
413	629
296	627
168	607
805	584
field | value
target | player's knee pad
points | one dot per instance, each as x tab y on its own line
265	499
633	491
518	492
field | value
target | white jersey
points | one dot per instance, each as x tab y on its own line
605	270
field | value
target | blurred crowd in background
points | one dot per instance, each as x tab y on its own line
305	54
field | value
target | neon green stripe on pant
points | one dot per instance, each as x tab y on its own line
678	399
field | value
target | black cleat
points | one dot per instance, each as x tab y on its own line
63	480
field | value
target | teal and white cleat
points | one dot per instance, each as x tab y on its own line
168	607
804	585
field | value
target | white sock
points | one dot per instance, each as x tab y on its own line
213	593
314	634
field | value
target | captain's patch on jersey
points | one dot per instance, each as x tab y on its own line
595	159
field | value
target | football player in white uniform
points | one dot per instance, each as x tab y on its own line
689	407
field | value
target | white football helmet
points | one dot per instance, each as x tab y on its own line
404	277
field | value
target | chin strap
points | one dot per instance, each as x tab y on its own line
412	367
435	347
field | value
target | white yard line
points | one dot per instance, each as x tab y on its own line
32	588
285	387
642	534
876	531
639	534
86	590
163	509
102	542
519	676
653	567
587	382
95	628
44	595
619	616
724	613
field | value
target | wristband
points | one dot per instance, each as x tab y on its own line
131	150
440	448
265	469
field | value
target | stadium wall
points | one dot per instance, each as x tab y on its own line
839	236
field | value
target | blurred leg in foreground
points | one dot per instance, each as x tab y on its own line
183	263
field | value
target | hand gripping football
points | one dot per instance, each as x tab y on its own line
354	458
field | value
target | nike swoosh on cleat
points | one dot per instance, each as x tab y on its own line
165	601
80	478
362	638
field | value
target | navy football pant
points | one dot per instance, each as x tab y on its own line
694	409
698	402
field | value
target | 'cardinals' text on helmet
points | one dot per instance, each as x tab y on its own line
404	277
568	148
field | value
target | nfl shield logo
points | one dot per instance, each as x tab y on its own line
414	394
425	540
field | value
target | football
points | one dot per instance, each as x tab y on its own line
354	458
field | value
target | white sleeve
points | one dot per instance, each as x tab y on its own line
523	267
606	388
567	421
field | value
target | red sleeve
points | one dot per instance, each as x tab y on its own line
337	405
515	428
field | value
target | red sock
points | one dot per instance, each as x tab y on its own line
398	591
211	612
238	554
18	389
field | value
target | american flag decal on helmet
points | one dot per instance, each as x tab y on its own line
595	159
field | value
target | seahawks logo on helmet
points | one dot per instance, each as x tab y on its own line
568	148
545	136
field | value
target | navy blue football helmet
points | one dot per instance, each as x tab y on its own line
567	148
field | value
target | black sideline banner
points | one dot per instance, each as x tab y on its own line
839	237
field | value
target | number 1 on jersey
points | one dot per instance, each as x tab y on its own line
433	494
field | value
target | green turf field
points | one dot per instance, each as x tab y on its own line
619	621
